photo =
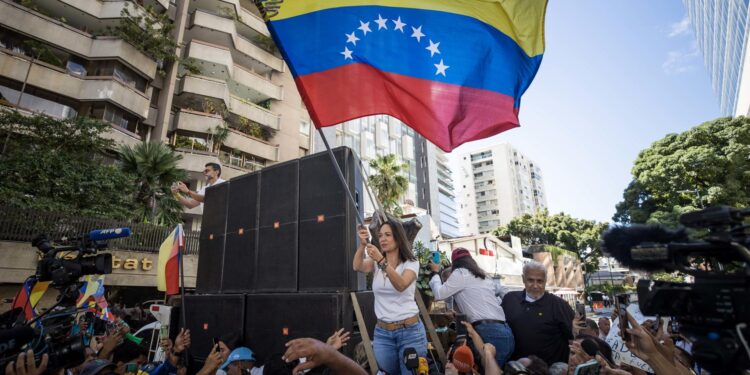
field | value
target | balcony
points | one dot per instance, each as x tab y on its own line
37	26
57	80
242	142
247	23
195	161
212	88
200	122
216	62
222	31
122	136
90	15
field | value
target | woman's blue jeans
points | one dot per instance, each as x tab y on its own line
389	346
501	337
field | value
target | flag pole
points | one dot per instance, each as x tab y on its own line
360	218
183	308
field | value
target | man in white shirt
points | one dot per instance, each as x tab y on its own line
212	173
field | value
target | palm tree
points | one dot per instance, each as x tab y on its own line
389	182
154	166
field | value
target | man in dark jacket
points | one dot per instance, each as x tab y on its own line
542	323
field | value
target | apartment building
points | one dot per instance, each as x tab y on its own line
498	184
229	97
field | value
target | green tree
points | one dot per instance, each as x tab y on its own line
389	182
154	167
561	230
150	32
62	166
704	166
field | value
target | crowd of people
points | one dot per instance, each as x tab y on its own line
528	332
117	354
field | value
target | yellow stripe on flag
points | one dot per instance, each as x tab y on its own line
521	20
165	250
37	292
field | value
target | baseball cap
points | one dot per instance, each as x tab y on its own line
463	359
458	253
93	367
240	354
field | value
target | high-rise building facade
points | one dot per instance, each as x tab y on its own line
721	31
228	78
374	136
498	183
438	195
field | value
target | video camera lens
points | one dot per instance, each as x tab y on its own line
100	264
67	354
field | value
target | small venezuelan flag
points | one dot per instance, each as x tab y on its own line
453	70
168	272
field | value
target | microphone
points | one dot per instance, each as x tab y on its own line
463	359
15	338
592	348
411	359
642	247
424	368
107	234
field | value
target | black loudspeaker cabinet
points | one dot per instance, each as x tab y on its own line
278	214
279	194
210	316
242	235
272	320
327	226
242	210
213	227
276	267
239	261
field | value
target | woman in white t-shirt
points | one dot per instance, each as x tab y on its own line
393	284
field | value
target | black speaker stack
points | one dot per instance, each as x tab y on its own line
275	259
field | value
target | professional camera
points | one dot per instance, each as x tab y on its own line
50	332
713	311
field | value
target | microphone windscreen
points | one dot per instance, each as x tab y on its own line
590	347
463	359
619	241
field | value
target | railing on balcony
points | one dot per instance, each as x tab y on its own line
19	224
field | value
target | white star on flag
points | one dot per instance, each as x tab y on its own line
365	27
433	48
381	22
441	68
417	33
399	25
351	38
347	54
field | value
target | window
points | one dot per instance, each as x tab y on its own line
116	116
121	73
304	127
76	66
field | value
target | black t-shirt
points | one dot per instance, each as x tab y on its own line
541	328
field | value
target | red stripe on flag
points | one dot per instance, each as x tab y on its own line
357	90
22	300
172	270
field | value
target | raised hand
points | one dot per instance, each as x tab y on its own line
25	364
339	339
363	234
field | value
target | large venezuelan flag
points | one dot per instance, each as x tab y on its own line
168	271
454	70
